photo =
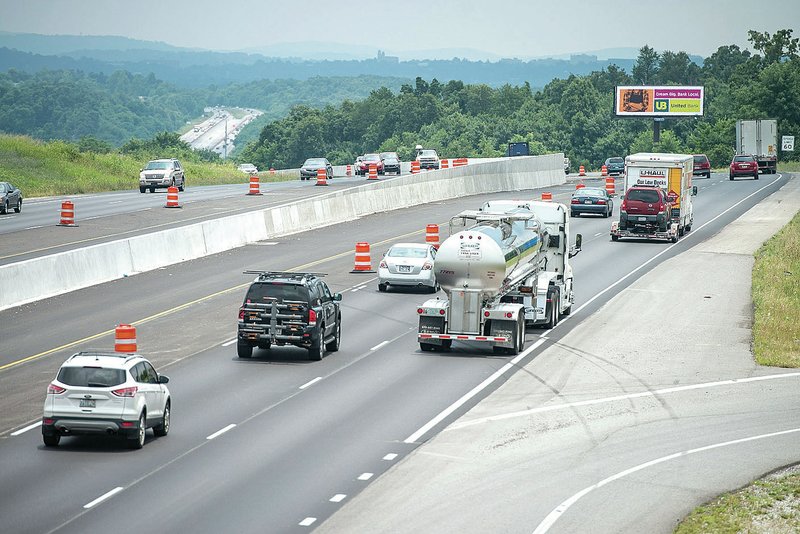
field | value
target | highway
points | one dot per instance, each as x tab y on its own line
279	443
107	216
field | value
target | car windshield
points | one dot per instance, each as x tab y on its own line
407	252
372	157
385	155
312	162
91	377
643	195
158	165
588	192
428	154
4	187
743	158
266	292
616	160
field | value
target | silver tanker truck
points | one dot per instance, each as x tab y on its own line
487	258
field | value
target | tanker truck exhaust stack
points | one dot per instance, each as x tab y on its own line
486	257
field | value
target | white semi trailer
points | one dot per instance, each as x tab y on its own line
488	256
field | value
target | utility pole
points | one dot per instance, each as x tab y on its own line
225	140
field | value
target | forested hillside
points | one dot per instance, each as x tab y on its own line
70	105
572	115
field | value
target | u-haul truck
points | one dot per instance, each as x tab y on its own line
670	172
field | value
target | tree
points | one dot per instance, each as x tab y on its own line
774	48
646	66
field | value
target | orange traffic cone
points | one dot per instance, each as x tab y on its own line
547	197
582	171
322	177
125	338
67	214
363	263
373	172
610	188
432	235
415	167
254	185
172	198
603	171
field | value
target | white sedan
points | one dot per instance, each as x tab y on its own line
408	265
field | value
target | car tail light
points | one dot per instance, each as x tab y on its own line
312	317
486	314
383	265
53	389
600	201
508	315
125	392
427	266
441	312
127	424
623	206
420	311
575	201
48	421
241	313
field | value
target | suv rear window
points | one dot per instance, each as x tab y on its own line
700	159
92	377
743	158
260	292
644	195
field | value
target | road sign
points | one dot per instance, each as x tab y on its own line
787	143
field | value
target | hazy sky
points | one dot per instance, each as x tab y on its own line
508	28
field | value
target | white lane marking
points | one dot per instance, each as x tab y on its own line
339	497
604	400
310	382
365	476
598	234
553	516
379	345
116	202
360	285
222	431
29	427
389	457
307	522
103	497
229	342
34	227
669	247
474	391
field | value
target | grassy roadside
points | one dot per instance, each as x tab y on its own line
771	504
58	168
776	297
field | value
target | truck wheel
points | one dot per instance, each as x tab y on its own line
674	238
382	287
552	320
426	347
333	346
142	189
689	227
244	350
51	440
521	337
681	231
317	350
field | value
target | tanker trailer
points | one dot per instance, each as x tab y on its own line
495	254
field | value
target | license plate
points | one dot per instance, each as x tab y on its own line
404	268
587	201
88	403
642	218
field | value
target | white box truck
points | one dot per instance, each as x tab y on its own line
759	138
671	173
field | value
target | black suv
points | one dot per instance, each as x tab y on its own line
286	308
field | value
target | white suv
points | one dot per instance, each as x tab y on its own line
106	393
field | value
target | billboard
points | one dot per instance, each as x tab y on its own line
659	101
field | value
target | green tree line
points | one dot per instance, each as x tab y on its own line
572	115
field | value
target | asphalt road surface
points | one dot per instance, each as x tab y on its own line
279	443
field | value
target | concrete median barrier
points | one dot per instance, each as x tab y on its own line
52	275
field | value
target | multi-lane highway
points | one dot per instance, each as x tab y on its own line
301	438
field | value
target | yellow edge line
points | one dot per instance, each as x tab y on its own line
186	305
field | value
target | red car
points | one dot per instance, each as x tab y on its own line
744	165
370	159
702	166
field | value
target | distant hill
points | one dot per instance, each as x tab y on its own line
201	68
